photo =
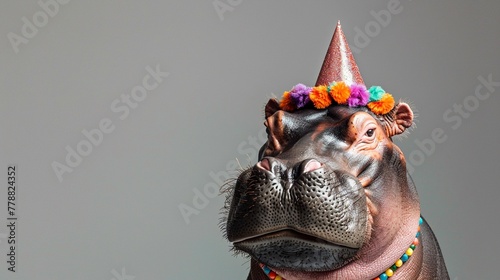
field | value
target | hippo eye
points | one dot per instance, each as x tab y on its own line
370	132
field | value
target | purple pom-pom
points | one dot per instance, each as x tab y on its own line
359	96
300	95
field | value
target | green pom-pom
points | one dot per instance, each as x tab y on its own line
376	93
329	87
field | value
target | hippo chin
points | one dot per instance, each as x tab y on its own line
330	198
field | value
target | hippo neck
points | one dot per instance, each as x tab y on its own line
389	272
407	266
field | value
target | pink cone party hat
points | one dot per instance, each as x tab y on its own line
339	63
339	83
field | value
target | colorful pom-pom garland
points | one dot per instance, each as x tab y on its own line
355	95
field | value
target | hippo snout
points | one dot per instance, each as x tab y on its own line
280	206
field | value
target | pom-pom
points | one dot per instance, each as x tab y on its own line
359	96
383	106
376	93
286	102
340	92
319	96
300	95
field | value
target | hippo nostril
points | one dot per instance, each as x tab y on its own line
311	165
264	164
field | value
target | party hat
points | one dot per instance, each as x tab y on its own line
339	82
339	63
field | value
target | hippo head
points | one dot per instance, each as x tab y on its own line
326	182
329	197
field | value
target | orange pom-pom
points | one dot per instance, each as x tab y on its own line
340	92
286	102
319	96
383	106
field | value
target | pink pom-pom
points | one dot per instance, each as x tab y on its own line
359	96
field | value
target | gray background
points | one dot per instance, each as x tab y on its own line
117	213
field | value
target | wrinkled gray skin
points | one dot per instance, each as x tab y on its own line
330	199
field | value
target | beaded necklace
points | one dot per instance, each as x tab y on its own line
384	276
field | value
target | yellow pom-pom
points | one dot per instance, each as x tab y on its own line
383	106
320	98
340	92
287	102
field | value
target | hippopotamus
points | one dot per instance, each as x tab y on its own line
330	196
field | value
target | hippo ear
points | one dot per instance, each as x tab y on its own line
399	119
272	107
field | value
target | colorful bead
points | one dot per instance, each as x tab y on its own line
409	252
271	274
389	272
404	258
383	276
394	267
399	263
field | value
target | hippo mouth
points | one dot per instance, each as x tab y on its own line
315	221
289	249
